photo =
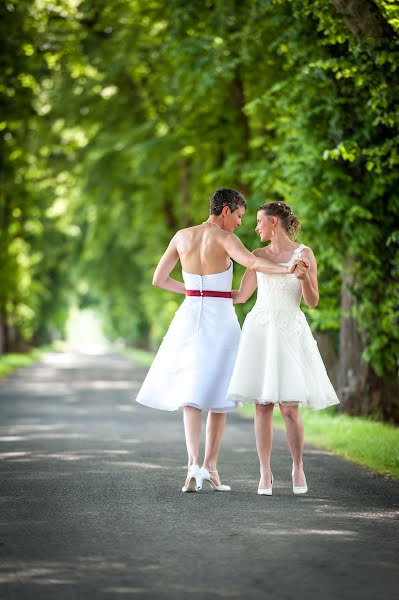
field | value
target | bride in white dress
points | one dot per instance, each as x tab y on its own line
278	361
194	363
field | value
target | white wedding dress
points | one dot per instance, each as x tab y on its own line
195	361
278	359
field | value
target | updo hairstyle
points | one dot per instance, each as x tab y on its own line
226	197
289	222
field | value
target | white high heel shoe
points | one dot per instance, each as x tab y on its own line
301	489
193	481
206	476
266	491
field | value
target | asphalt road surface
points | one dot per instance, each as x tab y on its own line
91	507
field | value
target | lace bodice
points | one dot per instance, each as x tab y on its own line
279	292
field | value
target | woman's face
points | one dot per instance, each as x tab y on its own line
264	226
232	220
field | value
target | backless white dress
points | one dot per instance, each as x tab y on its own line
195	361
278	359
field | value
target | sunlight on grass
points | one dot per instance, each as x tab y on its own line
10	362
368	443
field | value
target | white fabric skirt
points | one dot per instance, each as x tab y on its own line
195	361
278	361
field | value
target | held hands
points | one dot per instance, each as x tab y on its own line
299	261
301	268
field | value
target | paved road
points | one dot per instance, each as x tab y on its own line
90	503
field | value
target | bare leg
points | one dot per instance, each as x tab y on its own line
264	438
192	431
214	434
294	429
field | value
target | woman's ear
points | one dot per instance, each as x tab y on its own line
225	210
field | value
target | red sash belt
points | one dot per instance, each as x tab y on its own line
208	293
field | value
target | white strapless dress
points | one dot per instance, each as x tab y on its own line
195	361
278	359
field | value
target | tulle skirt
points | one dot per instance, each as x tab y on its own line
278	361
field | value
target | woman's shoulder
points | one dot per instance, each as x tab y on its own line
305	251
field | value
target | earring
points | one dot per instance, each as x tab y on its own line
273	232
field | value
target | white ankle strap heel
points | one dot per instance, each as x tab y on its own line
206	476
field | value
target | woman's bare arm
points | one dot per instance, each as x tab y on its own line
308	279
248	285
238	252
165	266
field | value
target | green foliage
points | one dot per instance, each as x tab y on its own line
35	242
366	442
124	116
10	362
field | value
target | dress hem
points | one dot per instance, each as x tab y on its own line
223	409
241	400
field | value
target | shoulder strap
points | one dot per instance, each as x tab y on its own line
298	251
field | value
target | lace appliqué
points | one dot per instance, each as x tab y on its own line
291	322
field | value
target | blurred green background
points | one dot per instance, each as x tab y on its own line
118	121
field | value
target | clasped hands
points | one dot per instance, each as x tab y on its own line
300	267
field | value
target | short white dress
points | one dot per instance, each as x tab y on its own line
278	359
195	361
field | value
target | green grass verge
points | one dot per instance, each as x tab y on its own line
363	441
141	357
10	362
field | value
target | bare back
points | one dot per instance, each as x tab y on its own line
201	249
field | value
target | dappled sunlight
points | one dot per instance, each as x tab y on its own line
46	436
65	388
34	426
107	385
140	465
294	531
362	515
126	408
32	456
54	572
11	455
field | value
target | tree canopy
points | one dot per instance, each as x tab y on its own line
119	119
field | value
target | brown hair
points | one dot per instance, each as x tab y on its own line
226	197
289	221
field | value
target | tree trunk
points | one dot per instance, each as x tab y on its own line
360	389
353	371
364	19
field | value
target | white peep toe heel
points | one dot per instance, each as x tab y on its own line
299	489
206	476
266	491
193	480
